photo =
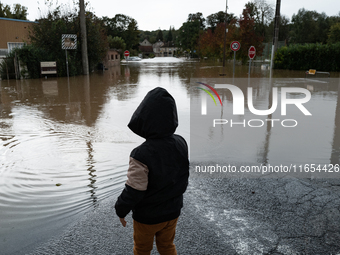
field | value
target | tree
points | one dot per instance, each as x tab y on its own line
125	27
247	35
334	33
216	18
116	43
263	14
159	35
193	17
189	32
18	11
309	27
169	36
211	42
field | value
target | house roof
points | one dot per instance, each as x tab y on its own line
145	43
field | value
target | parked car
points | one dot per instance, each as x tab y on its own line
134	59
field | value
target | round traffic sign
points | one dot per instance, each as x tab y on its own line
126	53
235	46
251	52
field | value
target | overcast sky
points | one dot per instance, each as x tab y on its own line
155	14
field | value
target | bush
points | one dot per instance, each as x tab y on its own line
322	57
32	56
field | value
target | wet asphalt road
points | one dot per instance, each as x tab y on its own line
226	216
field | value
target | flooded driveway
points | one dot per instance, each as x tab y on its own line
65	143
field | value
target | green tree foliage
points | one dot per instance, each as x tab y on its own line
216	18
193	17
334	33
116	43
46	37
169	36
190	30
309	27
159	35
124	27
17	12
149	35
32	55
322	57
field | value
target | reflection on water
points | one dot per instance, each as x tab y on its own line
65	144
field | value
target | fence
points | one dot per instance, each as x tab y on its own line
267	50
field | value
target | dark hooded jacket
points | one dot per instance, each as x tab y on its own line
159	168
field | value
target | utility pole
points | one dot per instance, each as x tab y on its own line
85	60
276	32
225	33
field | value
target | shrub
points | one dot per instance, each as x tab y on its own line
322	57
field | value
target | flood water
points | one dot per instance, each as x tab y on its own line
65	144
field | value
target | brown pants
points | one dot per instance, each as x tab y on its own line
143	236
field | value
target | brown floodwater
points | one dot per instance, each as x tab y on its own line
65	144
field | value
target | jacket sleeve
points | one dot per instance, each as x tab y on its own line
135	188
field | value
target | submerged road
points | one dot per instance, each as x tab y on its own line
226	216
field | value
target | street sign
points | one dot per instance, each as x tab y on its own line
69	41
48	67
235	46
126	53
252	52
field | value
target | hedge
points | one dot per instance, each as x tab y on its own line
321	57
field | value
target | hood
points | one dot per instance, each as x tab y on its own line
156	116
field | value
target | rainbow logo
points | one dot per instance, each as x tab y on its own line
208	92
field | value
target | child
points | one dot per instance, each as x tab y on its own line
157	176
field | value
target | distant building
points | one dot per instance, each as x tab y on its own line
14	34
146	48
159	49
164	49
168	49
112	58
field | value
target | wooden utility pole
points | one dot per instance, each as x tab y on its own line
276	31
85	60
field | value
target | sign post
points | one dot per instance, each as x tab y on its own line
126	54
68	42
235	46
251	54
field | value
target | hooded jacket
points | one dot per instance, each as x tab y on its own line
158	168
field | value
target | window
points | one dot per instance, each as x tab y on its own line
12	46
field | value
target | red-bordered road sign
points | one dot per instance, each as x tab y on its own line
235	46
252	52
126	53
